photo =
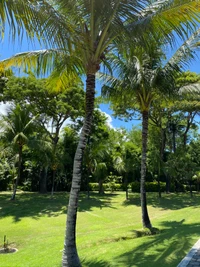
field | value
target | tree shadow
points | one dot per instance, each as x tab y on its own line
36	205
167	201
166	249
96	263
96	200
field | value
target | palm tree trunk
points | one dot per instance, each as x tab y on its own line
145	217
18	175
70	254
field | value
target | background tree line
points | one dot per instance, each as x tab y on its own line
112	158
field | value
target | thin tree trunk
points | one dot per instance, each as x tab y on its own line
174	140
126	186
190	182
101	189
190	119
18	175
43	180
70	254
145	217
162	150
159	189
88	186
168	182
53	182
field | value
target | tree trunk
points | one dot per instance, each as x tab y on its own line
18	175
43	181
159	189
126	185
70	254
53	182
145	217
174	140
88	186
190	182
168	182
190	118
101	190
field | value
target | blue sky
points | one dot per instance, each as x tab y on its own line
8	49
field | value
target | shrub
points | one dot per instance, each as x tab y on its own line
150	187
107	186
187	188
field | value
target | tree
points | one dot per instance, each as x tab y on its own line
142	76
126	155
67	103
17	128
96	158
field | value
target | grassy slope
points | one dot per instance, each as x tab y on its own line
35	224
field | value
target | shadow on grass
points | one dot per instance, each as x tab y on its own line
168	201
95	263
165	249
96	200
36	205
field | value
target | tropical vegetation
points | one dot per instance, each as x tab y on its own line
127	41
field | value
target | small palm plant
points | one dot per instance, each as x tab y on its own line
17	126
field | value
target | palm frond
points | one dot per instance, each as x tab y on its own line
186	53
43	62
167	17
192	89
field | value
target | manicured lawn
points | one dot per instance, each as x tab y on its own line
106	230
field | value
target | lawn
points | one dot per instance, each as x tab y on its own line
107	229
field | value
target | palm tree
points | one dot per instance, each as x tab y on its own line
17	127
142	75
83	32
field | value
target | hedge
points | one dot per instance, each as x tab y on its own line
107	186
149	186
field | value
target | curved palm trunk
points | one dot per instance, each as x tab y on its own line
145	217
70	255
18	175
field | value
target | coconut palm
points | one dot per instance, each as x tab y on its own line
83	32
143	73
17	126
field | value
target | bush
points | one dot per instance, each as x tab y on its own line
93	186
150	187
187	188
107	186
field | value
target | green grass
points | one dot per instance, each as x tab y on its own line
107	229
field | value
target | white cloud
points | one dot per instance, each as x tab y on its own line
3	108
109	119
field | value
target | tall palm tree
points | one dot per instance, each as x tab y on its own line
83	32
143	73
17	126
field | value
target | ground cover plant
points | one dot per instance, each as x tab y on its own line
109	229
